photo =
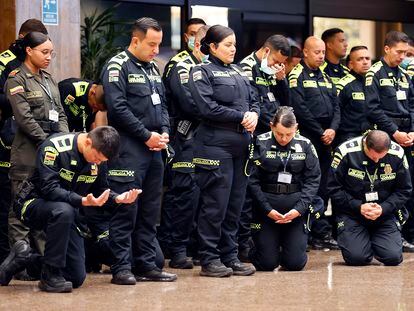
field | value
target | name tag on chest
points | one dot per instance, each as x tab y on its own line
53	115
401	95
371	196
156	99
284	177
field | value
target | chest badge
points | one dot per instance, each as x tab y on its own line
387	169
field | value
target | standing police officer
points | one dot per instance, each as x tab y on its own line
82	100
390	105
134	95
181	199
228	111
313	97
369	184
9	60
336	46
351	96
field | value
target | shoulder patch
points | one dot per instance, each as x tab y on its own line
376	67
265	136
248	61
352	145
296	71
301	138
14	72
80	88
396	150
180	56
6	57
346	80
16	90
119	59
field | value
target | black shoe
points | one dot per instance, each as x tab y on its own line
181	261
196	261
24	276
327	243
156	275
52	281
124	277
244	254
407	246
240	268
15	262
216	269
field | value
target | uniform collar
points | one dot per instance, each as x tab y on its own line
144	65
316	72
194	59
357	76
29	74
217	61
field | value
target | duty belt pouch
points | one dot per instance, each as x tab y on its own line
24	191
183	127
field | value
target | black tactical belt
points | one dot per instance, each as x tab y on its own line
280	188
402	122
235	127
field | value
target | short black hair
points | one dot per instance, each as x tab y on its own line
295	52
32	24
394	37
278	43
106	140
377	140
285	116
194	21
354	49
330	33
143	24
215	34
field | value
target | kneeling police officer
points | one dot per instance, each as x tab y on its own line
369	183
68	177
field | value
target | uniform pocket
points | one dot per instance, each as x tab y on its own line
224	90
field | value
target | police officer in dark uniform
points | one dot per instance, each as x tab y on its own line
34	97
67	178
314	99
390	105
284	185
228	111
369	184
9	60
351	94
181	199
81	99
336	46
266	73
134	95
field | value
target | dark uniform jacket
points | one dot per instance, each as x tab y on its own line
349	182
31	106
302	163
384	109
74	97
351	94
334	71
129	85
8	62
270	92
314	99
63	175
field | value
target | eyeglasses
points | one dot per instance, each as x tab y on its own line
47	52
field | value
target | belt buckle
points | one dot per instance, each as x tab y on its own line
281	188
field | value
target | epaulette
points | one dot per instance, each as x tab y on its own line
119	59
13	73
345	68
346	80
374	68
323	66
180	56
249	61
64	142
265	136
6	57
296	71
410	69
352	145
396	149
185	66
301	138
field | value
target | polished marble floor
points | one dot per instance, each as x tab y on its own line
325	284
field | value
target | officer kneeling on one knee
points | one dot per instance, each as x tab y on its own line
369	184
284	184
68	176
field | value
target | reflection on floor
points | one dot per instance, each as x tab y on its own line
325	284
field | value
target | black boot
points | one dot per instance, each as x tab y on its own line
181	261
52	281
123	277
15	262
240	268
216	269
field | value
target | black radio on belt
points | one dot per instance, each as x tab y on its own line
184	126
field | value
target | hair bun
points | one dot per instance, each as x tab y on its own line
204	47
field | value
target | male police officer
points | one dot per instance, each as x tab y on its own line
369	185
181	199
313	97
81	99
336	46
134	95
390	104
351	95
10	60
67	178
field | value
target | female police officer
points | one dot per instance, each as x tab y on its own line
228	111
284	184
35	101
